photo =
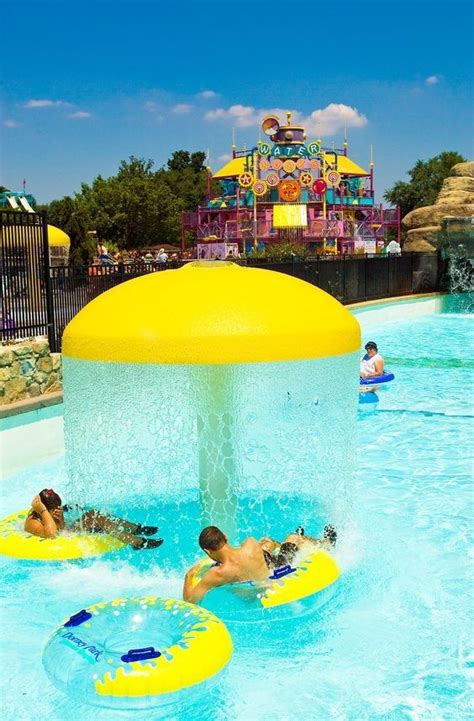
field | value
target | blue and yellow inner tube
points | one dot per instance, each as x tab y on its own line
136	652
287	592
15	542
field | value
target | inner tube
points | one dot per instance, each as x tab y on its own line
377	380
17	543
136	652
292	590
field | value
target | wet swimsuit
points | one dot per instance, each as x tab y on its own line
285	555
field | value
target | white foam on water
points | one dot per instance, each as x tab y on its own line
105	580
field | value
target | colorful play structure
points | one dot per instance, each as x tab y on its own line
286	189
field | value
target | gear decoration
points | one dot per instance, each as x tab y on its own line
306	179
276	163
264	164
245	180
272	180
289	166
302	163
315	164
319	186
289	190
333	177
260	187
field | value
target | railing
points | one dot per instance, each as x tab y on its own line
25	279
40	300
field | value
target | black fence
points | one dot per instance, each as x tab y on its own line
38	299
26	308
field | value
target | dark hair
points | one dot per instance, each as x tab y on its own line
371	344
330	534
211	538
50	498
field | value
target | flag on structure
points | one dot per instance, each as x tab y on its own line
24	183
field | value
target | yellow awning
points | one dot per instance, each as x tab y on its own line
234	167
346	166
57	237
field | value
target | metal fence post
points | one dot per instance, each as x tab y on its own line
47	285
365	276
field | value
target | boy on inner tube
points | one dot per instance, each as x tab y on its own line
251	561
371	365
46	519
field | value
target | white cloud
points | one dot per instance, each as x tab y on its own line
181	108
332	118
8	123
225	157
151	106
325	121
208	94
79	115
44	103
432	79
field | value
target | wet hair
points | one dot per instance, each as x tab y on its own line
211	538
371	344
330	534
50	498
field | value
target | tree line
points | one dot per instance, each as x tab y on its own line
137	208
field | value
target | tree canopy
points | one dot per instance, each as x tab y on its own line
426	179
136	208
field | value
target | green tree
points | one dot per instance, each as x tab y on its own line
426	179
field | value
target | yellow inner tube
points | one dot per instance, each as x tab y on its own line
15	542
312	575
204	648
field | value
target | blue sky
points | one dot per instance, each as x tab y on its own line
86	84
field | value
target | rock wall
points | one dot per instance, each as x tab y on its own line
456	198
28	369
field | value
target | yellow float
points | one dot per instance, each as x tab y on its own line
176	646
15	542
284	586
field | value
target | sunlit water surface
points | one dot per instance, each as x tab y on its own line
394	642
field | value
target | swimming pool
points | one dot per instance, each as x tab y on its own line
393	643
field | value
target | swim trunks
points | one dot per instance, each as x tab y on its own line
285	556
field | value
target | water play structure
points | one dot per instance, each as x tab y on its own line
290	189
217	394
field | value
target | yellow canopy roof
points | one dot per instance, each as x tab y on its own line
57	237
345	166
234	167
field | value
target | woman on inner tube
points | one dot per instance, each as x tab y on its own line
46	519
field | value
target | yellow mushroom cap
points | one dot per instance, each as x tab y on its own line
211	312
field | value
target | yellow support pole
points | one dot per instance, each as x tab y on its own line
254	171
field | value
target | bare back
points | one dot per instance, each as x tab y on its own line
245	563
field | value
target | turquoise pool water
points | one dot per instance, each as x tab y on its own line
393	643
